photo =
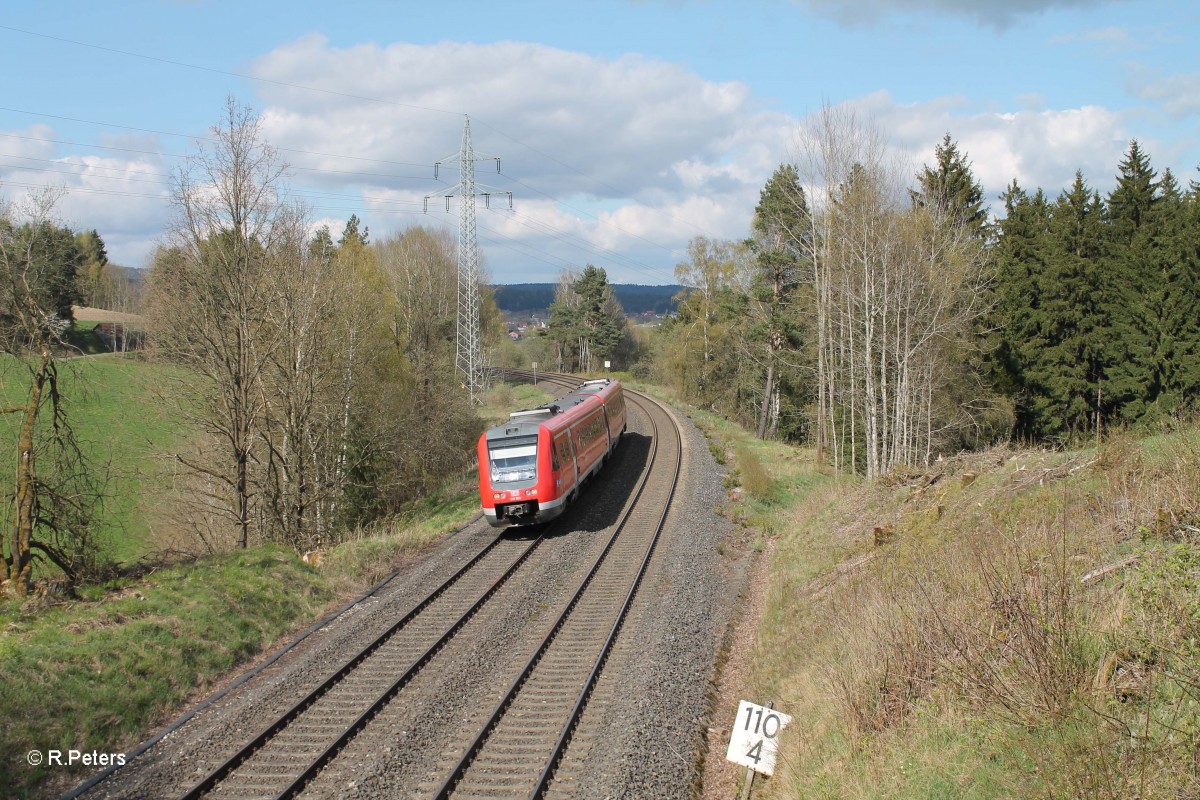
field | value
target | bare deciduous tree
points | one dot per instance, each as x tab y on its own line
896	286
55	489
212	292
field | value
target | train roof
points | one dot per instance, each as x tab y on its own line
593	387
527	421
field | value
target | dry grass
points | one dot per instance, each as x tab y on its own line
1008	624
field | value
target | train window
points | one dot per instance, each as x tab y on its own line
512	460
563	447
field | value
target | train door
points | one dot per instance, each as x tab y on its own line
566	468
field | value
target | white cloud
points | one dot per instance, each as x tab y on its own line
549	113
648	135
644	153
1039	148
1179	93
124	196
614	161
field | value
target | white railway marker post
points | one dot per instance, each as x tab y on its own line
753	742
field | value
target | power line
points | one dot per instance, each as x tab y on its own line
377	100
200	138
131	54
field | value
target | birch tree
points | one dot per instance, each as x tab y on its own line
897	285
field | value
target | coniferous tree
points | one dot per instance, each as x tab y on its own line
1127	279
1022	255
586	321
351	233
92	268
783	233
1172	299
950	185
1067	370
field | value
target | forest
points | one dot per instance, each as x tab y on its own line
889	322
886	321
310	381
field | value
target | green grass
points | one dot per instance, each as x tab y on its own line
125	427
372	553
100	671
97	673
82	339
504	398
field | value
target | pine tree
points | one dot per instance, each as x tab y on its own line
1066	373
586	320
1022	254
92	269
783	240
1172	298
351	233
1131	201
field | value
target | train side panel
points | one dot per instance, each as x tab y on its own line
589	437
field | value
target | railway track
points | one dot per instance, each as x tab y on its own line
526	734
285	754
517	749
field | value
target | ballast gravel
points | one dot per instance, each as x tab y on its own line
643	732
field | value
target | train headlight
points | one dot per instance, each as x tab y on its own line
498	495
533	492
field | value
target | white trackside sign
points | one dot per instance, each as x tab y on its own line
753	742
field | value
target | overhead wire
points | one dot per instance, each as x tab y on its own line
545	229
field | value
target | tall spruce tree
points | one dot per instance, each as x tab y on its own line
1171	300
951	187
1128	279
1066	373
1022	253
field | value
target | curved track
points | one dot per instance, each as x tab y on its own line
516	750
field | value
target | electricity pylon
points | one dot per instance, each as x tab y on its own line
469	339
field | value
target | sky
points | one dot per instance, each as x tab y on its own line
624	128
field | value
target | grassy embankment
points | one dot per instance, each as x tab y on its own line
1006	624
1014	623
97	672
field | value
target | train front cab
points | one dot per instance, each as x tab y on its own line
532	466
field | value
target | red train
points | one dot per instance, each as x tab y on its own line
532	466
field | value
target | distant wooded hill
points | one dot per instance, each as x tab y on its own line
535	298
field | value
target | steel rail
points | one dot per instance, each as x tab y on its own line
230	764
568	727
449	784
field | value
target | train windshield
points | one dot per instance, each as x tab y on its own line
513	459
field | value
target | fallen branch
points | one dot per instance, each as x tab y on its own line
1097	574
